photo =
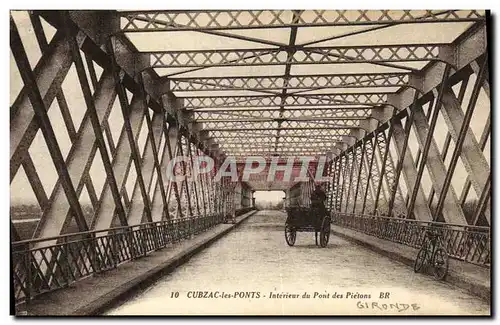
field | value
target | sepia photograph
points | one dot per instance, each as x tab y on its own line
244	162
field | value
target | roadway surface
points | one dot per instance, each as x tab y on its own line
252	271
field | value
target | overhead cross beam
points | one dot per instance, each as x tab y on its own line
232	141
238	144
278	56
350	121
289	113
275	123
292	100
294	82
269	132
195	20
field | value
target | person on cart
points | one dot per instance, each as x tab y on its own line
318	198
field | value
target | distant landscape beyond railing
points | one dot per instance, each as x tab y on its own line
467	243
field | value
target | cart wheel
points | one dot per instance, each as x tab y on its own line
324	235
290	235
316	237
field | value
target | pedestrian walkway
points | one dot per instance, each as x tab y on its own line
95	294
252	271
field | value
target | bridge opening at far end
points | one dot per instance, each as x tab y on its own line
269	200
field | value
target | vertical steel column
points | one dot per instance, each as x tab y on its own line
184	182
195	181
349	188
161	208
153	143
462	134
347	180
371	153
360	158
399	167
383	141
421	211
203	184
345	162
172	152
472	155
338	190
331	184
94	119
125	112
428	140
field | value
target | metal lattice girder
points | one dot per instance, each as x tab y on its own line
291	100
353	180
79	160
436	167
361	178
132	138
248	134
242	125
236	143
334	177
376	175
396	199
173	151
329	185
195	185
49	75
160	209
147	167
471	154
421	210
181	168
303	114
142	21
390	169
463	134
155	125
94	118
371	175
386	168
32	91
122	163
296	143
278	56
272	149
275	150
340	182
294	82
290	139
281	153
345	182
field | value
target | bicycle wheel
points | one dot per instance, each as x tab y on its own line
440	263
420	260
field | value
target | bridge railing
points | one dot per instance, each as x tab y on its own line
47	264
467	243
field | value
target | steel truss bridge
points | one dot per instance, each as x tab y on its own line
101	101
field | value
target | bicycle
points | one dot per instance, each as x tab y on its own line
432	253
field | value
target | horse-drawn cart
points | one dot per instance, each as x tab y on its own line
302	219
